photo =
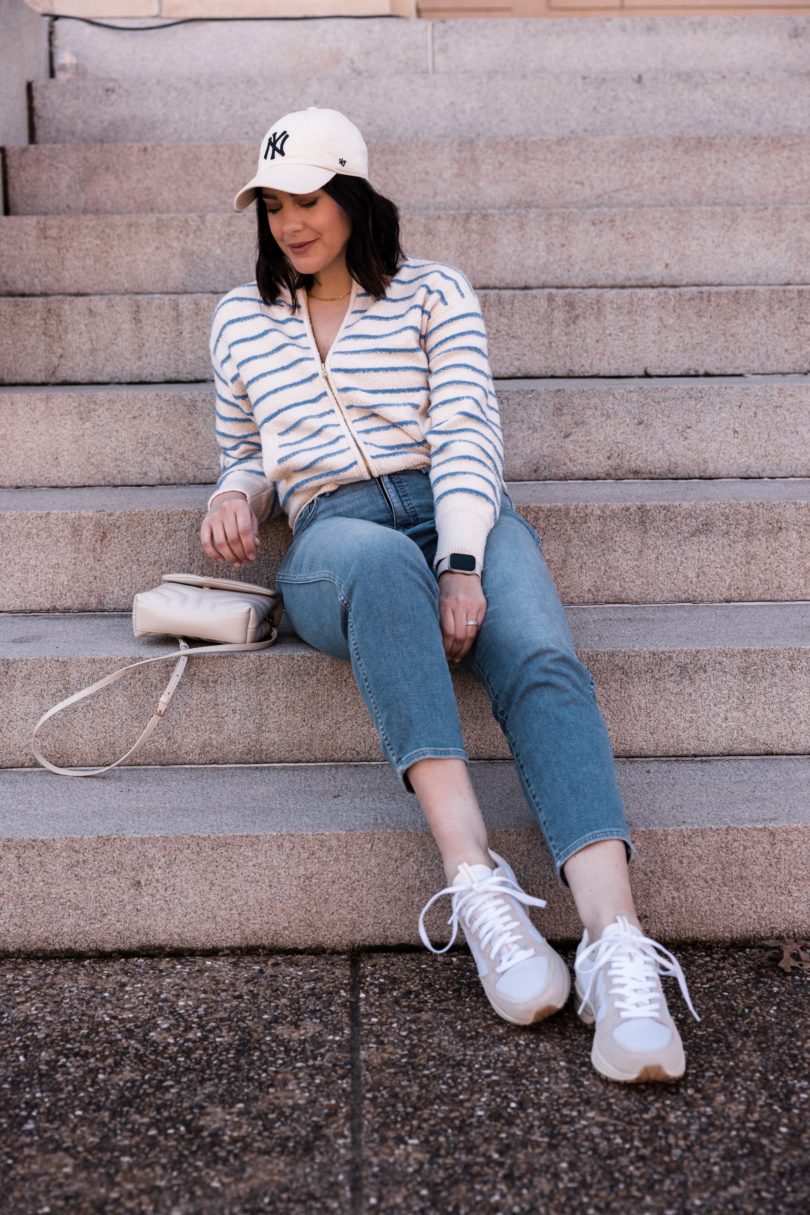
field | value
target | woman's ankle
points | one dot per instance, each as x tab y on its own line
470	856
597	924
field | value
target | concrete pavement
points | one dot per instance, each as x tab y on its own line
381	1081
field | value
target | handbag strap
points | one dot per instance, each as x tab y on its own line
168	692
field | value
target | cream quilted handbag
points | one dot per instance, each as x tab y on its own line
216	609
238	615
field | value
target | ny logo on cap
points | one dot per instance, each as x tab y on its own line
276	142
342	161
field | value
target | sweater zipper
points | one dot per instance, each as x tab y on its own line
379	480
340	410
325	375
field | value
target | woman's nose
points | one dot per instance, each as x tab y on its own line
292	231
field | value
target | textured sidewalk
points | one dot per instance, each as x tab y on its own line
381	1082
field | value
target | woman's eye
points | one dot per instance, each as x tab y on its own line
275	210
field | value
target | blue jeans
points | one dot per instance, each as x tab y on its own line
358	583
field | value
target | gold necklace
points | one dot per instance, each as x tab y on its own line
328	298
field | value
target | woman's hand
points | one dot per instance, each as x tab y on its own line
460	599
230	530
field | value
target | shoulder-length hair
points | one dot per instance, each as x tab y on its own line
373	253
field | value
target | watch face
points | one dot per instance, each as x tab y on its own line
462	561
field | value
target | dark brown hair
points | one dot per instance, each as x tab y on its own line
373	253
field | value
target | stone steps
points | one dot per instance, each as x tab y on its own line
378	46
577	171
604	541
552	103
554	429
317	856
766	43
572	247
672	680
639	331
637	235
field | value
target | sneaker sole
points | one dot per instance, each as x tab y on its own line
648	1072
540	1015
557	1000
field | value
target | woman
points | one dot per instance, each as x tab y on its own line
354	394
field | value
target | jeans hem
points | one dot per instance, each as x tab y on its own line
426	753
592	837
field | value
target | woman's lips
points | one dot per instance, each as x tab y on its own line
302	248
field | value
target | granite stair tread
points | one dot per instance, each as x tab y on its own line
710	101
271	799
672	679
527	247
318	856
577	170
620	331
627	626
554	429
596	491
376	46
642	541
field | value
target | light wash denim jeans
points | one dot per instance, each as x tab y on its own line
358	583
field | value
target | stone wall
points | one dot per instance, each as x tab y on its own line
23	57
180	9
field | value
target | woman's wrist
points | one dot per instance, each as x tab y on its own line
459	563
227	495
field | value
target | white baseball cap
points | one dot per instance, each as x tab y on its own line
303	150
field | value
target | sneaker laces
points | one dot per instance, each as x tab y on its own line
634	964
494	919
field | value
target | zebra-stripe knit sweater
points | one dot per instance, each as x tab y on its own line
405	384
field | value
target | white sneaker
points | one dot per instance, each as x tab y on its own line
524	979
635	1038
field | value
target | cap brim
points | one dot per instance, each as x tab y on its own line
294	179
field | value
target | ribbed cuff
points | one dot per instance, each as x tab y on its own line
462	531
259	493
226	489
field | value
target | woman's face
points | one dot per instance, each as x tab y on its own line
313	220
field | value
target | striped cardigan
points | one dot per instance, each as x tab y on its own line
406	384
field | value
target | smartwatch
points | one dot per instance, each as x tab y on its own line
458	563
